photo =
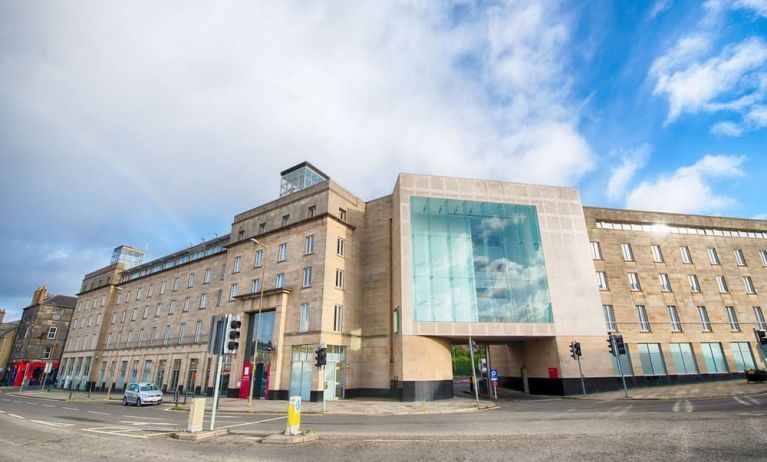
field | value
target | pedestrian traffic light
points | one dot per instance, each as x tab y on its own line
572	350
232	338
321	356
610	344
761	335
620	346
577	347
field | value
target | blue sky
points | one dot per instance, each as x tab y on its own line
153	123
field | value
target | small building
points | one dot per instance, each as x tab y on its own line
40	337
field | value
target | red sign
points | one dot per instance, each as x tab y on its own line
553	373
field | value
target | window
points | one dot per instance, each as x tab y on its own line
713	357
140	341
634	284
657	254
203	300
282	252
722	283
285	220
683	357
307	280
134	314
190	281
749	283
158	310
219	296
628	254
103	300
206	276
153	336
596	251
342	214
744	358
644	322
57	315
338	318
763	256
52	333
163	286
694	284
713	257
236	264
665	282
122	318
119	299
240	234
395	320
259	261
223	272
176	283
256	286
340	278
149	292
198	332
114	318
612	326
740	260
341	247
279	281
146	312
232	291
172	307
46	352
602	280
262	228
686	256
186	305
181	333
732	318
166	335
303	322
705	323
98	320
312	211
673	317
760	323
309	245
651	358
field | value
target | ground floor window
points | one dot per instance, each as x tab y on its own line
625	363
651	358
191	375
174	376
134	371
744	359
146	376
121	377
160	372
683	357
713	356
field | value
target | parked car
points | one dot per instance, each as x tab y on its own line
142	393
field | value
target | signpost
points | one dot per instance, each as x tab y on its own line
294	416
494	382
473	371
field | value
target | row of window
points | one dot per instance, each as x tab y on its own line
94	303
657	254
676	322
311	211
683	358
303	320
665	283
676	229
170	262
139	341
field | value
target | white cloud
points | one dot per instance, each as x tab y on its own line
658	7
757	6
691	86
688	189
622	175
726	128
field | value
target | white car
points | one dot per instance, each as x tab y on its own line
142	393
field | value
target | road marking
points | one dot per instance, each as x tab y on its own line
138	424
2	412
753	400
127	432
142	417
70	409
19	402
17	416
676	406
741	401
31	404
47	405
5	399
258	422
53	424
688	406
100	413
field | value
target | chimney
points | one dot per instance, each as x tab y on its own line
2	315
41	294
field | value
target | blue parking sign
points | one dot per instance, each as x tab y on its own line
493	375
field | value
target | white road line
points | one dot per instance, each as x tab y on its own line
70	409
688	406
676	406
5	399
741	401
17	416
753	400
53	424
31	404
47	405
258	422
18	402
2	412
100	413
142	417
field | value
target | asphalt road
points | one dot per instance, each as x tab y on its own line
732	428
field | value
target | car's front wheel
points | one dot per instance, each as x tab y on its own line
138	402
125	401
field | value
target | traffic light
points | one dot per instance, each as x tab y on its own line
610	345
761	335
232	338
321	356
621	347
572	350
577	348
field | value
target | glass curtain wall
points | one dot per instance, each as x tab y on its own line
477	262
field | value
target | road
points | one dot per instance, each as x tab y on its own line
730	428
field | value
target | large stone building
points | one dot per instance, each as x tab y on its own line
40	337
7	336
390	285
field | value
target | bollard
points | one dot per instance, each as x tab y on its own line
196	415
294	416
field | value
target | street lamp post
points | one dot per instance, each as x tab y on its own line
258	323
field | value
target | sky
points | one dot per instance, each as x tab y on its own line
152	123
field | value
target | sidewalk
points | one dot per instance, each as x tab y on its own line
685	391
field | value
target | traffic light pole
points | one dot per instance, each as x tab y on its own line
580	372
620	368
216	392
474	371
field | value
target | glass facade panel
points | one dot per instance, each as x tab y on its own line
684	359
713	356
477	262
744	359
651	358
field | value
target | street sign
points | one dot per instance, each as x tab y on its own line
493	375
